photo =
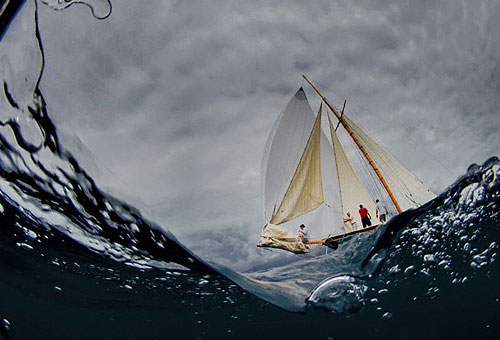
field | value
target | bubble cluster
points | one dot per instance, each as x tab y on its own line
450	242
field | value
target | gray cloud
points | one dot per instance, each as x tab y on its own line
176	98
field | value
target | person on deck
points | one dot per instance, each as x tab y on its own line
365	216
380	211
303	233
349	222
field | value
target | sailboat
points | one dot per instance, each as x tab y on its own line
308	179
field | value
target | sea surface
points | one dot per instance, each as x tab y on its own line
79	263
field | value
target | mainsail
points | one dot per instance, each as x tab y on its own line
293	177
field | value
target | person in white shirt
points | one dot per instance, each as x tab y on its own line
380	211
350	224
304	233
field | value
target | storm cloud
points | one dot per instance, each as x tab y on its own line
174	99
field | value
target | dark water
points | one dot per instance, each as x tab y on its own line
77	263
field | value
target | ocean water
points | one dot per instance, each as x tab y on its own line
79	263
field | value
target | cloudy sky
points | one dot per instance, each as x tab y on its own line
172	101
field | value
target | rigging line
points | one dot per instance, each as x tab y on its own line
372	164
412	141
335	93
410	198
336	160
356	103
358	158
395	169
369	177
371	181
336	210
378	188
341	115
353	101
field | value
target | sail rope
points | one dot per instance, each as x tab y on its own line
334	209
368	174
369	113
389	167
370	180
410	198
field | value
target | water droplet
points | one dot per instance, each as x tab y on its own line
383	291
409	270
25	246
429	259
6	324
394	270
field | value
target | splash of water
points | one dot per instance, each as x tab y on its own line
101	9
44	180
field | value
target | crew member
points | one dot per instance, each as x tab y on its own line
303	233
380	211
365	216
350	224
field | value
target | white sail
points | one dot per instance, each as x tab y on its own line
302	198
352	192
276	236
284	148
297	190
305	192
408	191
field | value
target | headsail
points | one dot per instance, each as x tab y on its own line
352	192
305	192
284	148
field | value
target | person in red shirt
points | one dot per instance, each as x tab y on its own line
365	216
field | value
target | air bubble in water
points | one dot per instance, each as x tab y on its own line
342	294
6	324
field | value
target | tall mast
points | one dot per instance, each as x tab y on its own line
358	144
